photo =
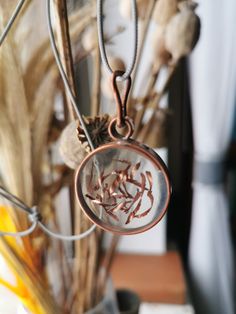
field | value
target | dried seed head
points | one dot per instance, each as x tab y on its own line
164	10
187	4
98	130
160	54
182	32
125	8
71	150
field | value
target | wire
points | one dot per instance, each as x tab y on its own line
64	237
64	77
101	41
11	20
15	200
20	234
35	218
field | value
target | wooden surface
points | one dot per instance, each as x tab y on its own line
155	278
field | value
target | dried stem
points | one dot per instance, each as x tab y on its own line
145	28
151	91
104	271
92	265
96	82
64	48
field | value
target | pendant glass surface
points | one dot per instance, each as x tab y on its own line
123	187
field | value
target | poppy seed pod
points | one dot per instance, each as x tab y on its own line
182	32
164	10
71	150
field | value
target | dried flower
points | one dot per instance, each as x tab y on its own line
71	149
98	130
183	31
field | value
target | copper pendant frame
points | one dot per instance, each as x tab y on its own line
141	150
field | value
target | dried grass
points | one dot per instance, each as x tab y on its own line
27	97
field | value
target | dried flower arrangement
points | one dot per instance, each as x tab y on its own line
30	130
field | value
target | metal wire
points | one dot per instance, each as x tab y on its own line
63	75
11	20
101	41
14	200
35	218
20	234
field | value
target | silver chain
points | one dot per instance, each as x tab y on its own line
101	40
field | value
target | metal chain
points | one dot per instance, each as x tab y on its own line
101	40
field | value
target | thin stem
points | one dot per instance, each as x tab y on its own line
96	82
150	91
64	48
107	262
145	28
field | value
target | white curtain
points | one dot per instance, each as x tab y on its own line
212	86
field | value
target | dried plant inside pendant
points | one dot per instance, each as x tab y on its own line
123	186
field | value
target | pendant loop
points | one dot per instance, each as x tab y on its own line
113	132
121	103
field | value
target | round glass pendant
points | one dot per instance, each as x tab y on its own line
123	187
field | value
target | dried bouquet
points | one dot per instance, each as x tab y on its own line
37	121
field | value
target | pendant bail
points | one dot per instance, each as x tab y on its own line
121	102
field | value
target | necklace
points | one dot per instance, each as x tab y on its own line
123	186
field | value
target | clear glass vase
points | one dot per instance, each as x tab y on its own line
108	304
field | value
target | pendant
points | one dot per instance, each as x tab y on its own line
123	186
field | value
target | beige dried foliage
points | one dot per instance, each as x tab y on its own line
164	10
15	137
22	146
182	32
